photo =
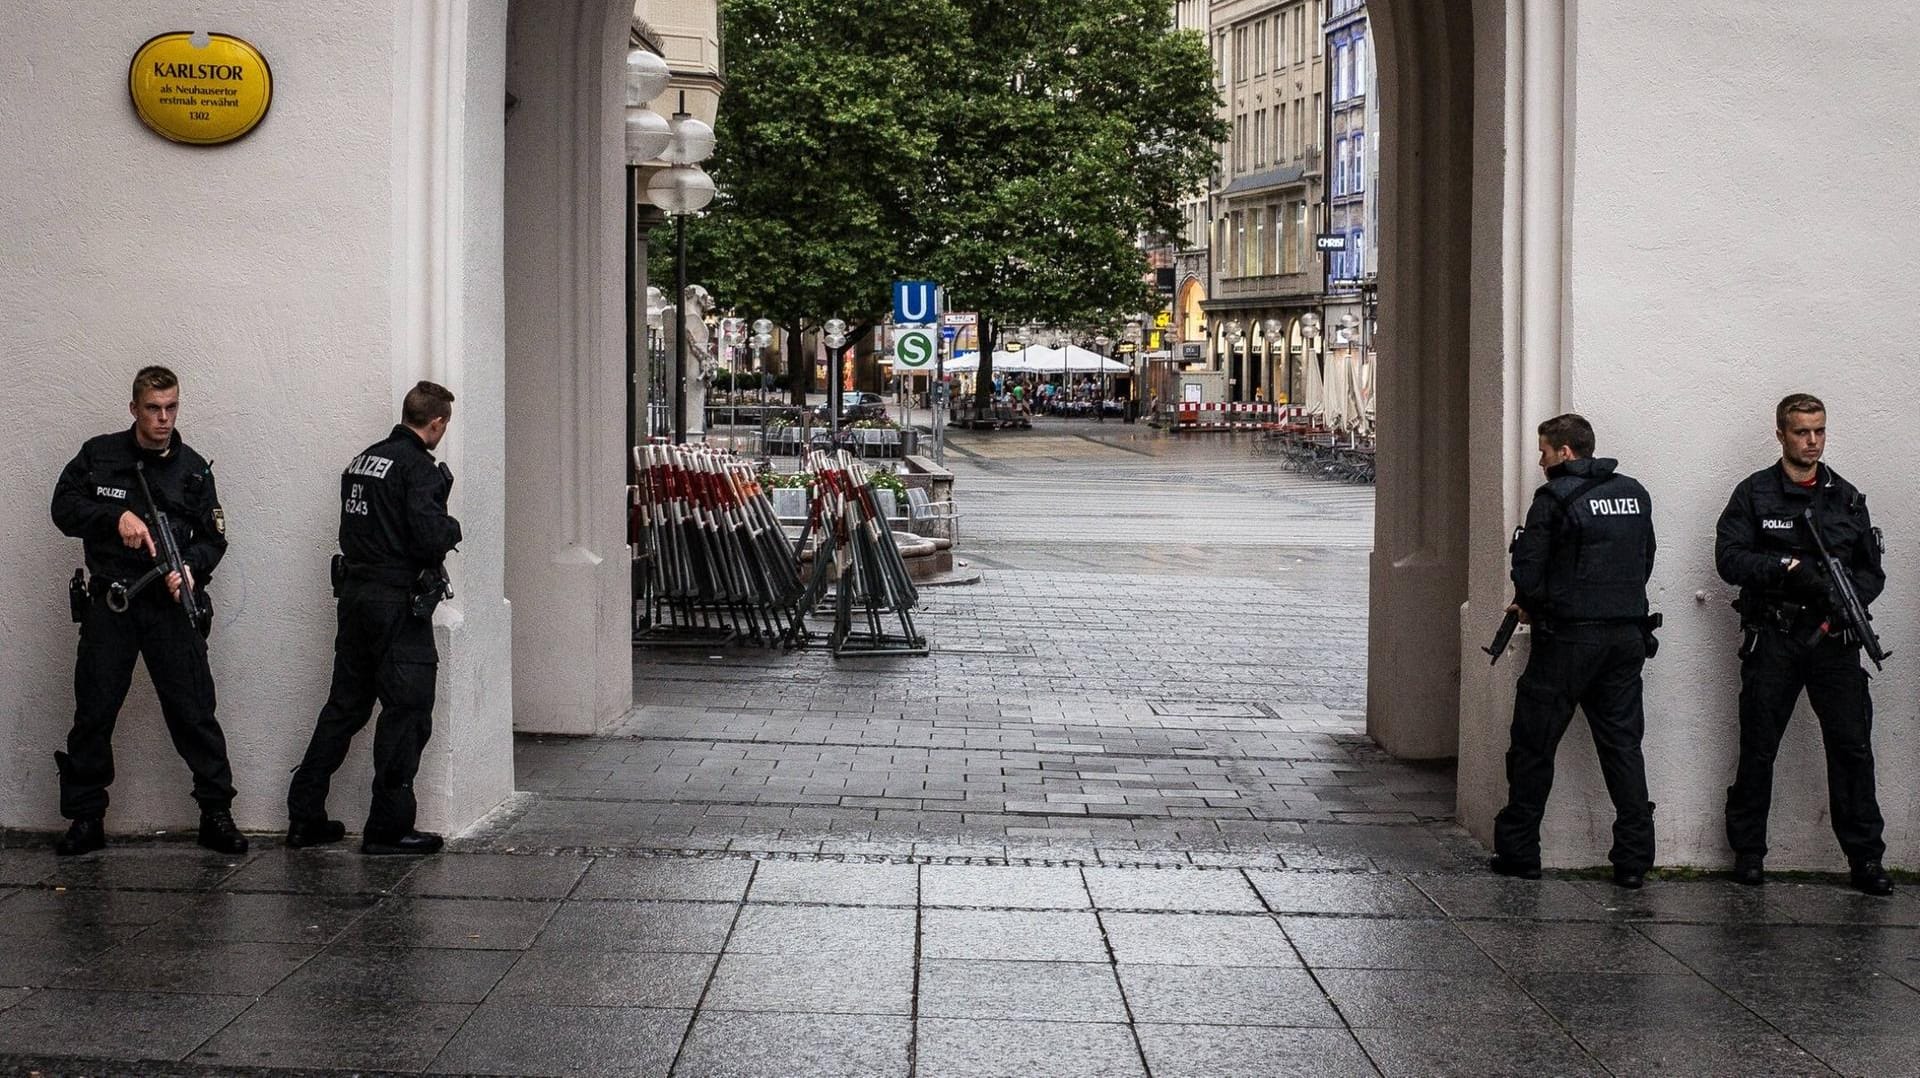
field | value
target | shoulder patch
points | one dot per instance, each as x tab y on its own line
220	521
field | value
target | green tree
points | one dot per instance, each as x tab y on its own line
1072	128
826	138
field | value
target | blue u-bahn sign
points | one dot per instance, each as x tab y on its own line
915	303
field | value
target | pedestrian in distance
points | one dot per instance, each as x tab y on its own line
118	495
1580	569
1794	638
395	534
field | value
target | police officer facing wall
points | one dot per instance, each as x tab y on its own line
1792	640
100	499
395	534
1580	571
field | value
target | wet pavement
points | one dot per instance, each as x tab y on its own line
1124	821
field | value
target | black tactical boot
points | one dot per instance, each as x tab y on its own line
1503	867
413	843
1870	879
84	835
1630	878
304	833
218	833
1749	870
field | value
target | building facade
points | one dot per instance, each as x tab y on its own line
1264	271
1346	379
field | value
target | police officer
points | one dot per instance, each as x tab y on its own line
99	498
1792	640
395	534
1580	571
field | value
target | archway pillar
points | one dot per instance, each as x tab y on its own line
569	574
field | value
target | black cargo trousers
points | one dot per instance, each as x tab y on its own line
1774	669
1595	666
381	653
156	629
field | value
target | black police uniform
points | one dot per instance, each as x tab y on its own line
393	525
1580	571
94	490
1784	649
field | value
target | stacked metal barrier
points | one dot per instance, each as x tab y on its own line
857	557
716	566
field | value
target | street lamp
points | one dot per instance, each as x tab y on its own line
834	334
1236	335
646	137
1270	330
680	190
1309	333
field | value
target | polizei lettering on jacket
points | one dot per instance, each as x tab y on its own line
1613	507
370	466
1776	525
227	72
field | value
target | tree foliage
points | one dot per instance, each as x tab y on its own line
1013	150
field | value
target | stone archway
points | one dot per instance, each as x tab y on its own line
568	574
1418	578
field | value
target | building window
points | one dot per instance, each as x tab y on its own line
1240	55
1239	243
1340	73
1260	46
1359	252
1260	138
1357	179
1280	133
1220	245
1319	122
1340	167
1360	80
1257	250
1299	126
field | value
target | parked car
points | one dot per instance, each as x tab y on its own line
855	406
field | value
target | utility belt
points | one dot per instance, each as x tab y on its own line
83	590
1798	620
1647	625
425	588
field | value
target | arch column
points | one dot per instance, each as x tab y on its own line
1418	576
568	569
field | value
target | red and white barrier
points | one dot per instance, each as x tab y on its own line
1227	415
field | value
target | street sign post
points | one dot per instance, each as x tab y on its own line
915	303
914	348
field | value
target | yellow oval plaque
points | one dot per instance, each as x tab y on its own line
200	88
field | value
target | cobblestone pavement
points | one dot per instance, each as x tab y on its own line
1124	821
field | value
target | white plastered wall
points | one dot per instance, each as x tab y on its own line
1735	223
297	280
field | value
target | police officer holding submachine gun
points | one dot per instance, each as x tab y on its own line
1797	540
1580	570
395	534
144	503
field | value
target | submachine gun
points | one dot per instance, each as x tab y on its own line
1503	636
119	595
1846	601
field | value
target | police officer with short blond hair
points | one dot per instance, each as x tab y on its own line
1793	640
112	496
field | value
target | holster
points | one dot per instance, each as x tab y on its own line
429	588
1648	625
78	598
337	573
